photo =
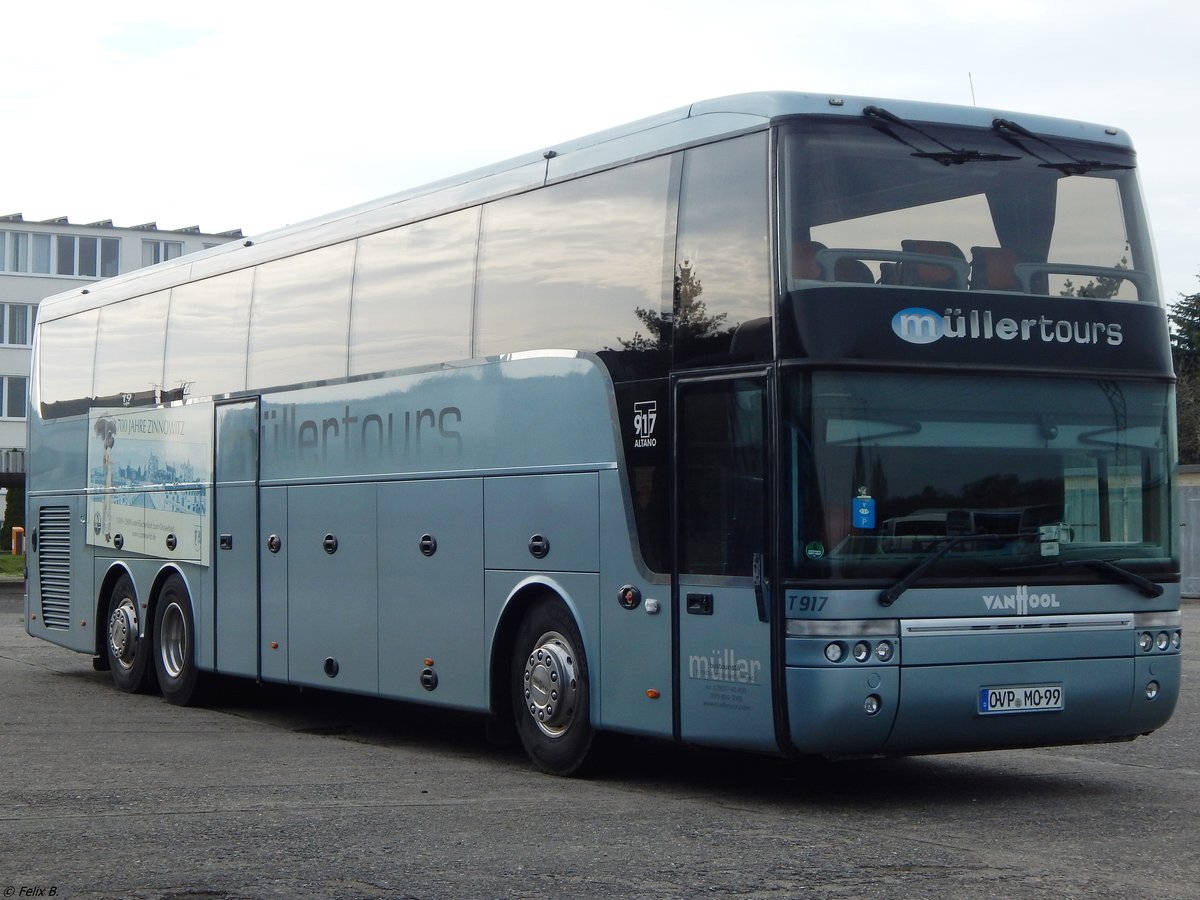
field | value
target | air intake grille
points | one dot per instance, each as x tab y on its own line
54	565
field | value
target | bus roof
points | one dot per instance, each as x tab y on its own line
700	122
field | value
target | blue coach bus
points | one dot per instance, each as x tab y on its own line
789	423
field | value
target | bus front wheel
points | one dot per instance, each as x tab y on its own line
550	689
127	649
175	645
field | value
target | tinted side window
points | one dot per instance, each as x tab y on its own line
412	294
722	476
129	347
300	317
206	335
66	354
578	265
723	261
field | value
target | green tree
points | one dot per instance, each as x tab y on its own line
1185	352
1185	333
1187	416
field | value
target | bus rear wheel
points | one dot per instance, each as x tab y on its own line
550	690
175	645
126	648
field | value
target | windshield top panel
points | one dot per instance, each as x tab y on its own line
868	201
887	468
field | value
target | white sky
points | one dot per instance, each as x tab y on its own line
254	114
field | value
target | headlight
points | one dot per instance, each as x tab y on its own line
834	652
862	651
884	651
1145	642
1163	641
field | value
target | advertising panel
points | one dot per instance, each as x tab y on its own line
149	480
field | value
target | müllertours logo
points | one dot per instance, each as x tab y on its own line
918	325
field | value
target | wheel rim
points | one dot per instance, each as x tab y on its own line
173	640
123	632
551	686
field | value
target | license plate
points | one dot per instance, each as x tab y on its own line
1019	698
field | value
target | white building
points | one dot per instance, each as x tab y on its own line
38	259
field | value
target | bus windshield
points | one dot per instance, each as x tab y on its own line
878	200
887	468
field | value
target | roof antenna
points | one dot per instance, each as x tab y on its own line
971	81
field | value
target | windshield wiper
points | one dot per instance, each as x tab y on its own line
888	597
1144	585
947	156
1147	587
1074	165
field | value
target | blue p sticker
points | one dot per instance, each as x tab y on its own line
862	512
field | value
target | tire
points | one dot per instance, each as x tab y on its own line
175	645
550	691
126	646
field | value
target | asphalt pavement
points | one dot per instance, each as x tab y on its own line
275	792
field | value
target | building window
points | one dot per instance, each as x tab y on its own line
160	251
66	255
17	258
86	257
13	396
110	257
40	261
23	252
59	254
19	318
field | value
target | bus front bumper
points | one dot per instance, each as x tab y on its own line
850	707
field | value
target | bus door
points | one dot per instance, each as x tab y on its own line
235	517
721	542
